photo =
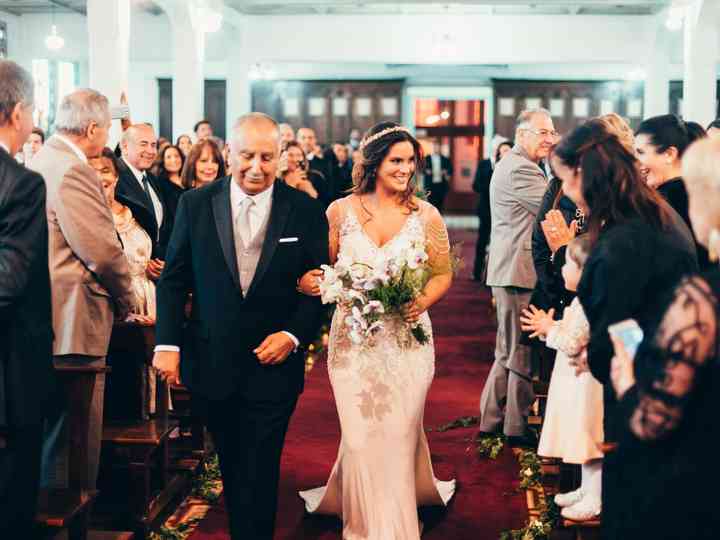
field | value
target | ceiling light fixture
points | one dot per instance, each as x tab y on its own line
54	42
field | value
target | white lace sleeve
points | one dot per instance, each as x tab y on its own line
572	333
336	216
437	240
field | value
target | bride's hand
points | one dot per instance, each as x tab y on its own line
413	310
309	284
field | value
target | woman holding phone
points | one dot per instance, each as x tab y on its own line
668	390
640	249
294	171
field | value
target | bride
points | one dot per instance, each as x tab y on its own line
383	470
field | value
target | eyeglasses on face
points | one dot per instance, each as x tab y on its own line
544	133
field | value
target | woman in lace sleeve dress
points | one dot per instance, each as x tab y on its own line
383	470
669	394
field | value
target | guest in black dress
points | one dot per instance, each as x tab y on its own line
481	186
169	165
642	248
668	395
660	143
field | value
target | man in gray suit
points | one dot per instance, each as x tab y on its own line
89	273
516	191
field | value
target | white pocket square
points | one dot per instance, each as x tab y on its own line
289	239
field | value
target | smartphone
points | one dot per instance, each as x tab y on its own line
120	112
629	332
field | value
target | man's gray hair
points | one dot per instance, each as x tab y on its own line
16	86
129	133
79	109
525	117
256	117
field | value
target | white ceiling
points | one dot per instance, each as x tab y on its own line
366	7
498	7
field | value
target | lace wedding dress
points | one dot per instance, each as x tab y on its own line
383	470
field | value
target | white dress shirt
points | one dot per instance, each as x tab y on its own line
258	213
4	147
157	205
79	153
436	168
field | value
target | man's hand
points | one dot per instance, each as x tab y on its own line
125	123
274	349
154	268
309	284
167	364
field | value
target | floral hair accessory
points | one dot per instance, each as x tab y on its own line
381	134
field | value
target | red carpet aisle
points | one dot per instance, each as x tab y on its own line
485	503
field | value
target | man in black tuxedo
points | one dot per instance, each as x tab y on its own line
318	163
26	369
138	189
437	174
240	245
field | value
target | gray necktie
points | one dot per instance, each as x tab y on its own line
243	221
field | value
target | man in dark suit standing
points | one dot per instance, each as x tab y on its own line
240	245
26	369
139	190
318	163
437	174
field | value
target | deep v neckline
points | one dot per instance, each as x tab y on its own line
369	238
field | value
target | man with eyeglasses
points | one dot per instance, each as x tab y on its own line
516	191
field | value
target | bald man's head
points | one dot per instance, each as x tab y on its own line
139	146
254	152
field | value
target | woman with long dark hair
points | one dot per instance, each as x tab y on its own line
641	248
170	162
668	393
660	143
380	387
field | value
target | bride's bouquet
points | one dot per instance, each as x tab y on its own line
371	294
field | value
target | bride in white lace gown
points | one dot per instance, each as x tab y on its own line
383	470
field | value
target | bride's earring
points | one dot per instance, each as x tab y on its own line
714	245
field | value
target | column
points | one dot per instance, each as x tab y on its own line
657	70
188	47
701	54
239	91
109	46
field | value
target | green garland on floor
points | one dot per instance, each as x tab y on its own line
205	486
490	446
530	477
486	446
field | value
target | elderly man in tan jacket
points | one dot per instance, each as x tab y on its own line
89	273
516	191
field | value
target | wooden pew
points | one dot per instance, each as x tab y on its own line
70	508
135	459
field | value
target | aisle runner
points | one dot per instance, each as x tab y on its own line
486	502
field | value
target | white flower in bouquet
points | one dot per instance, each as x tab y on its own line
373	307
331	285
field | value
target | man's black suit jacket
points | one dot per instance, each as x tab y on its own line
26	371
131	193
446	167
226	324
